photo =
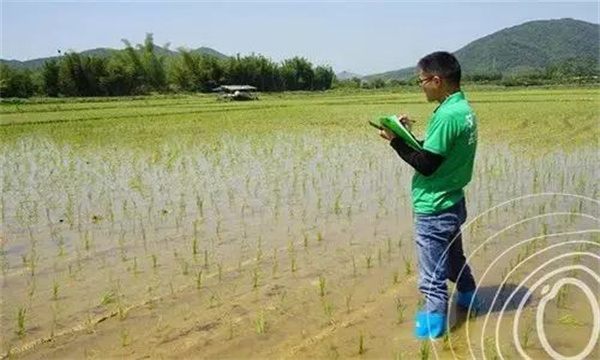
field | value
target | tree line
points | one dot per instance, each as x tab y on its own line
142	70
581	70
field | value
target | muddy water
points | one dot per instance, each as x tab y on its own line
218	250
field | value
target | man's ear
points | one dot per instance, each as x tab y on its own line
437	80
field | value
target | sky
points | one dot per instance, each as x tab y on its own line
360	37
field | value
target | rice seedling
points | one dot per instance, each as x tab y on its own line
32	288
569	320
231	326
220	271
198	280
150	293
61	246
255	278
348	300
322	285
260	323
108	298
214	300
21	314
218	229
275	264
490	348
154	262
122	311
561	297
400	308
30	262
172	288
55	289
337	207
369	261
195	246
125	338
87	241
200	206
54	321
89	322
4	263
526	335
424	350
398	355
504	274
70	271
185	267
446	343
122	250
259	252
361	343
396	277
327	309
407	266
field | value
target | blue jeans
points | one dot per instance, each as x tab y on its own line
440	255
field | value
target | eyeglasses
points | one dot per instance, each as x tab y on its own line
420	81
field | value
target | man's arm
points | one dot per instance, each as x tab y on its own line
423	161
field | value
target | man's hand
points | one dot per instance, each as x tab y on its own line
406	122
387	134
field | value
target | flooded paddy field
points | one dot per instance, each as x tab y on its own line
181	227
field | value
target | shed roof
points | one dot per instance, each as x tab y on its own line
235	88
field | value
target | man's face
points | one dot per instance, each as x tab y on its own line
431	84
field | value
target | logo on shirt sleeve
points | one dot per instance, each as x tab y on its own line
472	127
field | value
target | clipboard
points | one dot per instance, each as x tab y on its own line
392	123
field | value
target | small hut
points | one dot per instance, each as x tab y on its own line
236	92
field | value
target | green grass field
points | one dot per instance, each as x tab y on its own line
172	226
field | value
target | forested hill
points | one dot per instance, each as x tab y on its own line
533	46
103	53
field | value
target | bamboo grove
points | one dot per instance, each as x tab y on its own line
143	70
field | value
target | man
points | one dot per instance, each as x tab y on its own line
443	168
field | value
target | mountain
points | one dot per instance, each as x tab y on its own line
209	51
346	75
535	44
104	52
37	63
402	74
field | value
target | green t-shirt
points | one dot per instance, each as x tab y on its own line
452	133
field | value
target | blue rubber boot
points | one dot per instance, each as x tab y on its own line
468	299
429	325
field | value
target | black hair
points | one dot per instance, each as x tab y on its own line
442	64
